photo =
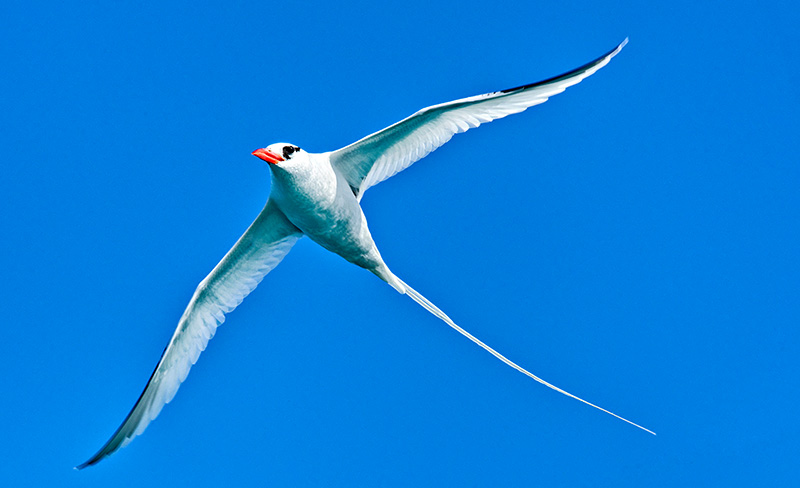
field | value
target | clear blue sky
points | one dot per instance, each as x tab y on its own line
633	240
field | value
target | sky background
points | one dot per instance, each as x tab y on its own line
634	241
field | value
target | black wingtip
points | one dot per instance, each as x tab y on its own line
568	74
86	464
99	456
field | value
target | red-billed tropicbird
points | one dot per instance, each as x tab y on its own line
318	195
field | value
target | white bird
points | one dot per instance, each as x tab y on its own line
319	195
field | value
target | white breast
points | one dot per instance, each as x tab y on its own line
319	201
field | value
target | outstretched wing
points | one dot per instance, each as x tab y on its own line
268	239
387	152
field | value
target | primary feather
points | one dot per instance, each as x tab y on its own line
268	239
381	155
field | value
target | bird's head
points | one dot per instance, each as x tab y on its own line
282	154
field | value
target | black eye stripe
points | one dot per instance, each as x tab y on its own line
289	150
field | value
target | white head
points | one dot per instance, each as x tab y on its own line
282	155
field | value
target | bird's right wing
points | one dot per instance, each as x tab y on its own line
385	153
268	239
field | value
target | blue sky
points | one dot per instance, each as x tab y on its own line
633	240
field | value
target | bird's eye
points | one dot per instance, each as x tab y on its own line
287	152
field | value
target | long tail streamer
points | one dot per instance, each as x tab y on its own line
427	305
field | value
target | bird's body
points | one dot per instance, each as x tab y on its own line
317	199
319	195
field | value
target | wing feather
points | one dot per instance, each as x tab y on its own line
385	153
265	243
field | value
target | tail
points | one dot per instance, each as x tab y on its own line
430	307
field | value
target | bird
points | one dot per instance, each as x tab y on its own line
319	195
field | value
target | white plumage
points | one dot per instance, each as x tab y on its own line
319	195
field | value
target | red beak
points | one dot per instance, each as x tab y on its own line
268	156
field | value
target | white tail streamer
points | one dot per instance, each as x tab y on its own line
427	305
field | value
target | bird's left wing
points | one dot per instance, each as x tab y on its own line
268	239
385	153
